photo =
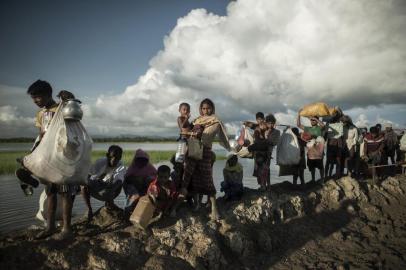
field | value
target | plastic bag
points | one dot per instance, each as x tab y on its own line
63	155
288	151
195	148
315	109
403	143
181	151
244	140
43	207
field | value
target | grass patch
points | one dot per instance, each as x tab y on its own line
8	163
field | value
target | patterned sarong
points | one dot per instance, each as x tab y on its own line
198	175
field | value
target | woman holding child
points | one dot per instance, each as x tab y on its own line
198	175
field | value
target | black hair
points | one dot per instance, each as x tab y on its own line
295	131
373	130
184	104
270	118
164	169
378	126
259	115
40	88
115	148
208	102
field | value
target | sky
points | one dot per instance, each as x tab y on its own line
132	62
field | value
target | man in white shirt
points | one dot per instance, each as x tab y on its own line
106	177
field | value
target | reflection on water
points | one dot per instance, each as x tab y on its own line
18	211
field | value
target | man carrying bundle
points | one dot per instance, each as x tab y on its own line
41	94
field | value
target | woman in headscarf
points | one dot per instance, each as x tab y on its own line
198	175
137	179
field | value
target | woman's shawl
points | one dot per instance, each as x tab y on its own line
146	171
212	126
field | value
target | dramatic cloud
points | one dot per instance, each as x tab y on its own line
271	56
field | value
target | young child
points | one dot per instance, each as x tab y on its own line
163	193
184	128
183	119
266	136
232	185
41	94
259	117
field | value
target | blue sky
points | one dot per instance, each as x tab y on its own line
133	62
88	46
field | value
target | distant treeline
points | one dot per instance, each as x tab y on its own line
101	139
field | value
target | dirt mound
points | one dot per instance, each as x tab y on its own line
342	224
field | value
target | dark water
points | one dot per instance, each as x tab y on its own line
18	211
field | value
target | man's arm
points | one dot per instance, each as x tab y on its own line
298	122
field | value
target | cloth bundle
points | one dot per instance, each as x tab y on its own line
63	155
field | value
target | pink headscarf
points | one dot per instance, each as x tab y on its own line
146	171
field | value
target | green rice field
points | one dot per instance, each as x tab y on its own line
8	162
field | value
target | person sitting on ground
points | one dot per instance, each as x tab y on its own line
232	185
106	177
137	179
163	193
41	94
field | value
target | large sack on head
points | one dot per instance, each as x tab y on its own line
288	151
63	156
315	109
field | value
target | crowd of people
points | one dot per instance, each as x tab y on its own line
348	149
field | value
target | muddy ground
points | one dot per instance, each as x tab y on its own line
343	224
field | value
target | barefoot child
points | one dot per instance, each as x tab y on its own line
233	174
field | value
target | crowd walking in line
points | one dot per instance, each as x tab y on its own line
332	146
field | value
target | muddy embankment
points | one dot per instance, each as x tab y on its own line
343	224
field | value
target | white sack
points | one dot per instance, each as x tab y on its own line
63	156
288	151
243	152
43	207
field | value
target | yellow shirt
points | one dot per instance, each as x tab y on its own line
44	117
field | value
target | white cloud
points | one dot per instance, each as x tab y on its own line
269	56
12	123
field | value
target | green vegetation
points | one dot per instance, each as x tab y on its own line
8	162
102	139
